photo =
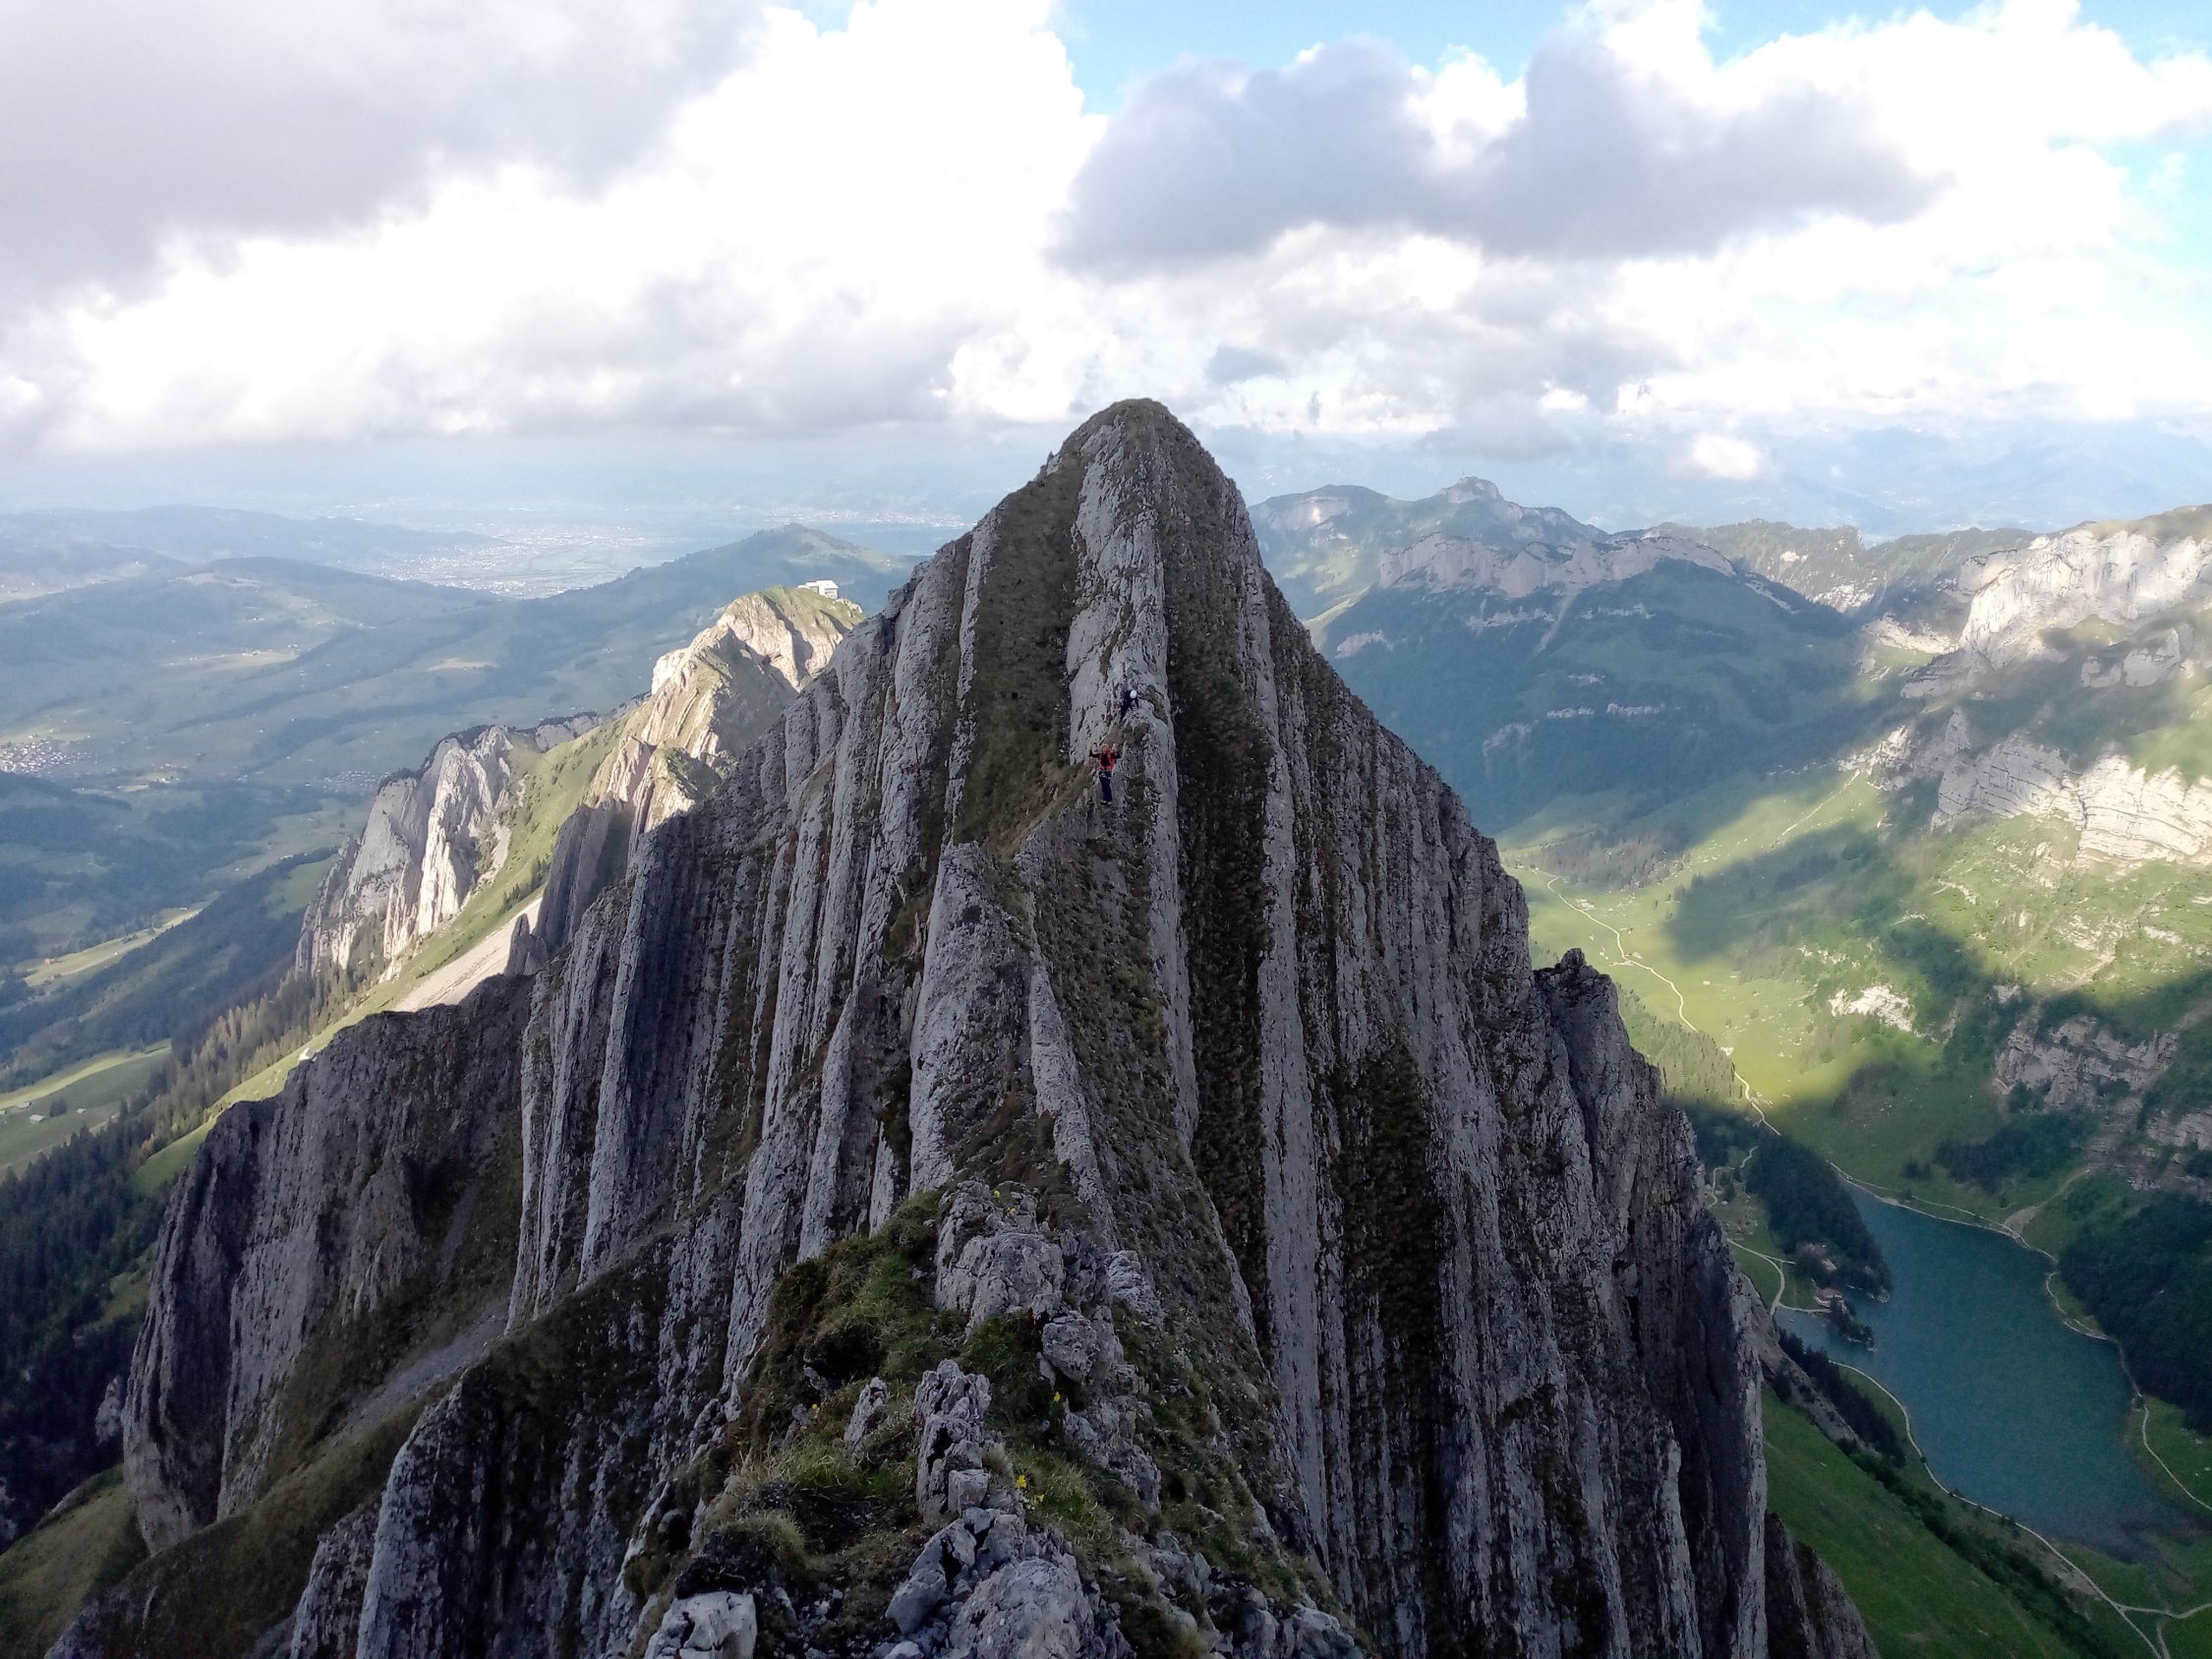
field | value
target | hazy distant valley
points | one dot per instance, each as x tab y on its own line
199	715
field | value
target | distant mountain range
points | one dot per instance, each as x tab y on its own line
1839	567
1907	842
169	730
54	551
1546	669
1328	546
253	666
195	534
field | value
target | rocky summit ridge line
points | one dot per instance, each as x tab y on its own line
924	1210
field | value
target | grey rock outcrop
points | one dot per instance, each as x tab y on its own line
1033	1607
949	1410
1806	1607
2078	1065
708	699
989	1584
2125	574
329	1615
867	1412
1253	1062
432	835
107	1421
719	1625
311	1243
2157	656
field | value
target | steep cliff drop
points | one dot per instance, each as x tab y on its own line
708	700
949	1215
432	837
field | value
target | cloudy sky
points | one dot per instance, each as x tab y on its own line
1637	257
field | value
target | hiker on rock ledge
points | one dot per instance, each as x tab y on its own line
1106	754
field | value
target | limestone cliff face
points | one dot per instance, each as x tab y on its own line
1351	1249
2123	574
708	699
431	836
2122	812
2078	1065
435	835
302	1250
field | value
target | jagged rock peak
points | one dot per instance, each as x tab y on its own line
1473	489
436	835
1191	1205
709	700
791	631
431	836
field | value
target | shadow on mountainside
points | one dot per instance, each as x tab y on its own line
1648	688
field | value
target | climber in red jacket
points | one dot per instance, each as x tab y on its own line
1106	754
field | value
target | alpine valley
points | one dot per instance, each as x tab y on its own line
1899	849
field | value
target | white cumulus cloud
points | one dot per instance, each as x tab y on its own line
1714	454
380	216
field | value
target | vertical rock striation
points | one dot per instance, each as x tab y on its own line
436	835
709	700
432	835
317	1240
1253	1121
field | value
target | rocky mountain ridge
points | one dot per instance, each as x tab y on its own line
1834	565
708	699
1560	569
2103	618
436	835
2052	677
2097	592
431	836
35	561
1532	671
945	1215
1326	547
2121	574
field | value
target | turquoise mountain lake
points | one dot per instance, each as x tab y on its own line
2011	1409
